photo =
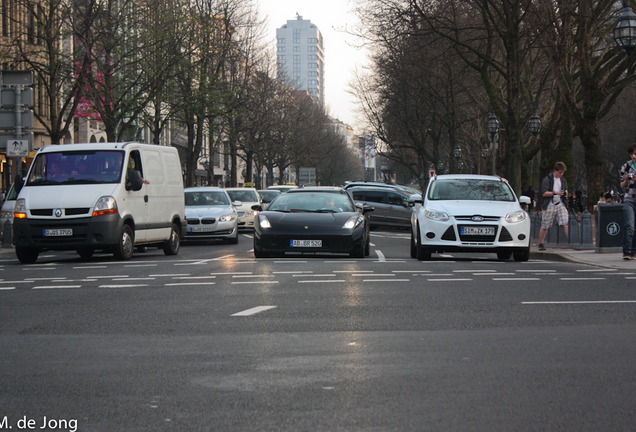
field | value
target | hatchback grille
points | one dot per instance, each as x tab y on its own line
485	218
505	236
449	235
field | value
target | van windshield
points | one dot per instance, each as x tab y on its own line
77	167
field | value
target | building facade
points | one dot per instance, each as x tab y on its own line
301	57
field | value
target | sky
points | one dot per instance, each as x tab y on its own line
340	58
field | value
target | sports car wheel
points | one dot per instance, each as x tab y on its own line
522	256
124	249
358	252
259	254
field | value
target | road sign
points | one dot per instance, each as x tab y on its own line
8	97
8	137
18	148
9	121
22	78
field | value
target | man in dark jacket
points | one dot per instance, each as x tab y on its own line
554	204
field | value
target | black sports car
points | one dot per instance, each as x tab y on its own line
315	220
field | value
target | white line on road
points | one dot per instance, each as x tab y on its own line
579	302
516	279
189	283
380	255
194	277
123	286
170	275
292	272
231	273
474	271
133	279
410	271
386	280
580	278
253	276
254	282
313	275
321	281
140	265
447	280
57	286
89	267
536	271
253	311
597	270
6	288
374	274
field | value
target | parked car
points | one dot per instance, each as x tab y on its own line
267	195
312	221
210	215
393	207
283	188
8	207
403	188
100	196
243	199
470	213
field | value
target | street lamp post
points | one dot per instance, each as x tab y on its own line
625	30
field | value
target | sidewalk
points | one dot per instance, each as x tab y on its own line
612	260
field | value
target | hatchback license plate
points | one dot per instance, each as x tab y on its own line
58	232
305	243
478	231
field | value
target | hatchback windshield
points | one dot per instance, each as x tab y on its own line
76	167
206	198
312	202
471	189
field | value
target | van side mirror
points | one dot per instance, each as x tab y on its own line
134	181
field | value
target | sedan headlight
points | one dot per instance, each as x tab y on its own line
353	222
226	218
515	217
436	215
263	221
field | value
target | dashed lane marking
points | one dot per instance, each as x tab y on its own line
253	311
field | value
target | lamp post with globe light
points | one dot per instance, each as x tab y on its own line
625	30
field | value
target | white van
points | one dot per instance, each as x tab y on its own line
106	196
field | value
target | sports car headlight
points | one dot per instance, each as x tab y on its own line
263	221
226	218
518	216
436	215
353	222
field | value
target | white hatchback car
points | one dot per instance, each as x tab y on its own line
210	215
470	213
247	197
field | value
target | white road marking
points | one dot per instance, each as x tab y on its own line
254	282
170	275
123	286
140	265
289	262
89	267
133	279
579	302
371	244
253	311
411	271
353	271
253	276
580	278
231	273
474	271
386	280
380	255
374	274
6	288
321	281
57	286
536	271
597	270
516	279
447	280
312	275
194	277
189	283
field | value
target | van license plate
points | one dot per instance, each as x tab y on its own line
306	243
58	232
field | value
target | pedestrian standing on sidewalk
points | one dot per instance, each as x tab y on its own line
554	203
628	183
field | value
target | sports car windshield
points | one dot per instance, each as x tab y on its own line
76	167
471	189
312	202
206	198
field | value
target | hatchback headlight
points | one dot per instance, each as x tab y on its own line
263	221
226	218
436	215
515	217
353	222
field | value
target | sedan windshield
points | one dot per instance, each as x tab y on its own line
76	167
243	195
206	198
312	202
471	189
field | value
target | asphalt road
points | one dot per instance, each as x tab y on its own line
214	340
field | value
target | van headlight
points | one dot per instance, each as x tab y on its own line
515	217
19	211
105	205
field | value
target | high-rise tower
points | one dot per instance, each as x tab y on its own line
301	57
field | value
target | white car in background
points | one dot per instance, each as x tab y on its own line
210	215
470	213
8	207
243	199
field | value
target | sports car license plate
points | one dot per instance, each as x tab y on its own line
305	243
478	231
58	232
201	228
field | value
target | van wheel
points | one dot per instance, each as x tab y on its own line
124	250
27	255
171	247
85	252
